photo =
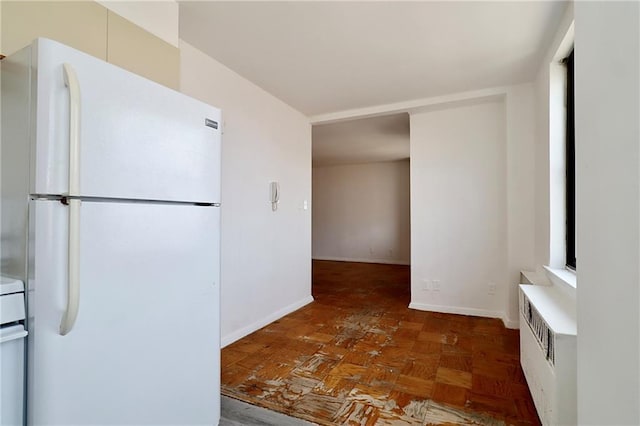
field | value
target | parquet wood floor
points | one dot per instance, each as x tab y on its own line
358	355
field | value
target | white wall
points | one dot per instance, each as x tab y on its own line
266	255
459	209
607	95
361	212
520	117
607	66
549	152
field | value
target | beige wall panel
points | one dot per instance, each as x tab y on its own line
139	51
82	25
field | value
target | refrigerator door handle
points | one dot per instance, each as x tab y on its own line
71	81
73	290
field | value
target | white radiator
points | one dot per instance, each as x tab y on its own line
548	352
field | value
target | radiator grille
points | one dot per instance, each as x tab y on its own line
543	334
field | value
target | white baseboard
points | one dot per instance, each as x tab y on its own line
245	331
358	260
465	311
511	323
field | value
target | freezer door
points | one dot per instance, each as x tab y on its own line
145	348
137	139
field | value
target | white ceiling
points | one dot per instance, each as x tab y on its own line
322	57
328	57
361	141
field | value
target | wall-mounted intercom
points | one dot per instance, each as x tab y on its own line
274	193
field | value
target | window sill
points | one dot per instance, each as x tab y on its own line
561	277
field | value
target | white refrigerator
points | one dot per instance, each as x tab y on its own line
110	215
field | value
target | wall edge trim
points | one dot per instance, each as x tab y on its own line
465	311
244	331
407	106
362	260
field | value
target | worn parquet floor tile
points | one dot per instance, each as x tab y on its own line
358	355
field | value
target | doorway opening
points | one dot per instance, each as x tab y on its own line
361	192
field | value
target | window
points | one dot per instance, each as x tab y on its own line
570	166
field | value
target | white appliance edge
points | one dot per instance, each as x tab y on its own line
144	348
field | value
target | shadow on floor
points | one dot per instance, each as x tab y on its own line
236	413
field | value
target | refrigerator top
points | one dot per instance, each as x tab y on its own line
105	132
10	285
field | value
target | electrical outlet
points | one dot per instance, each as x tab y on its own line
492	289
436	285
426	285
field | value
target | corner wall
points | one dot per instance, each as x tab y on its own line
607	99
361	212
549	155
266	255
520	117
459	209
160	18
